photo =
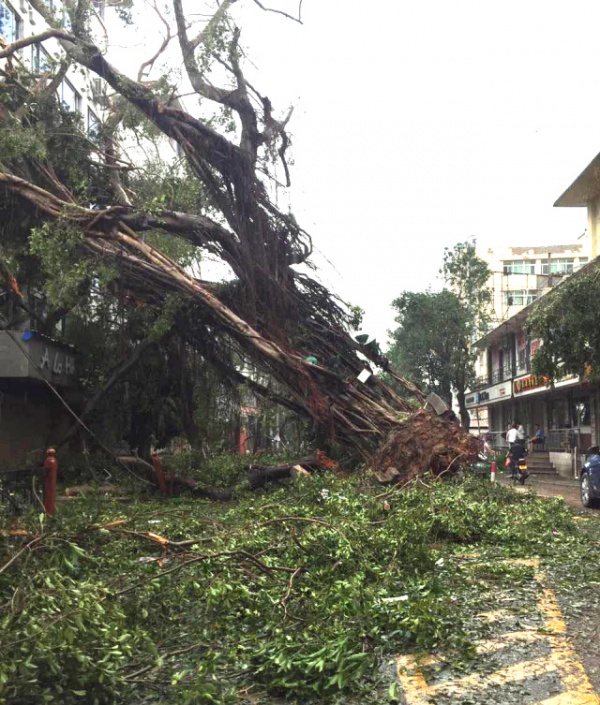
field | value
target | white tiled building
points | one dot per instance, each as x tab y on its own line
522	274
79	91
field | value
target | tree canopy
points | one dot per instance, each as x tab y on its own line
131	233
436	330
567	321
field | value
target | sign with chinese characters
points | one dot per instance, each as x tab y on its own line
533	383
529	382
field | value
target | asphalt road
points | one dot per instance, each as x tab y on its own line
537	647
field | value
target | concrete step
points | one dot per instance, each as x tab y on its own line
545	472
538	463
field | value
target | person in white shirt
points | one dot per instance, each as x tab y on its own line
520	431
512	434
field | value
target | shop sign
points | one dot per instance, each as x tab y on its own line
529	382
491	394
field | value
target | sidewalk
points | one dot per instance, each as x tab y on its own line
549	486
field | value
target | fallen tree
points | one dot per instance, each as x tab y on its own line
272	315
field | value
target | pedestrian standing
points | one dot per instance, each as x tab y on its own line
512	435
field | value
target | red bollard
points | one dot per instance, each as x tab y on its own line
160	474
493	472
50	477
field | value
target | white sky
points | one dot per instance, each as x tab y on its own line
420	124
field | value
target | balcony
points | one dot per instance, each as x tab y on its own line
501	374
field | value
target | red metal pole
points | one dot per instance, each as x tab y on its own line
493	473
160	475
50	477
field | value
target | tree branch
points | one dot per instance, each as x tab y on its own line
36	39
150	63
280	12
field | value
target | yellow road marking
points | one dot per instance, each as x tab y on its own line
562	659
509	674
570	698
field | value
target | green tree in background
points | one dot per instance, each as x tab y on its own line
467	275
567	320
433	343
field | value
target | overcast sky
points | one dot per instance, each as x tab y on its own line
420	124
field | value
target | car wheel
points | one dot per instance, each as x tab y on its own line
586	491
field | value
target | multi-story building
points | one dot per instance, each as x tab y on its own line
31	415
520	275
79	91
506	389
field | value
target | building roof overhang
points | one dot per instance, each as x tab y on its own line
585	188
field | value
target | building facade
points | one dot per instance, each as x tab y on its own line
35	368
79	91
520	275
507	391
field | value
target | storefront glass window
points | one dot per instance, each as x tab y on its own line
581	413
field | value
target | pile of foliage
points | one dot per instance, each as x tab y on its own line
299	593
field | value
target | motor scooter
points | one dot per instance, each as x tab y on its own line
518	463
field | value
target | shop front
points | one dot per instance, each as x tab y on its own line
563	410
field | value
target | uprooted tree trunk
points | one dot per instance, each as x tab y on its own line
257	475
278	316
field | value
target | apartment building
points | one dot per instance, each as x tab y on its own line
31	416
520	275
79	91
506	388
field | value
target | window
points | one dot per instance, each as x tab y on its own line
519	297
66	20
69	97
581	413
49	4
582	261
518	267
10	22
558	266
40	59
93	127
